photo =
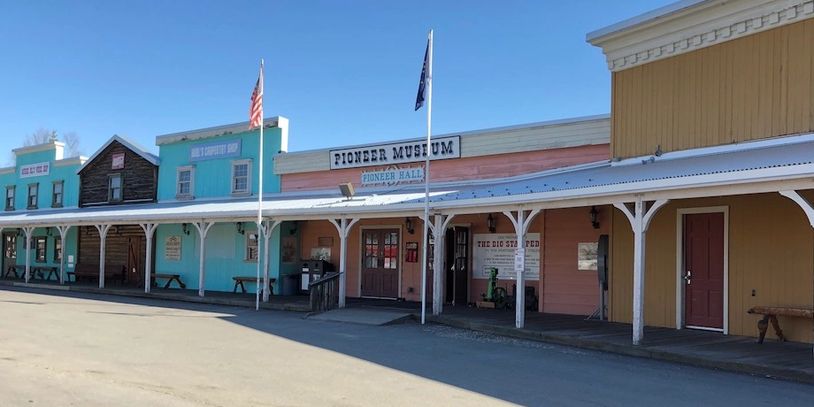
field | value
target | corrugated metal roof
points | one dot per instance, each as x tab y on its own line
790	160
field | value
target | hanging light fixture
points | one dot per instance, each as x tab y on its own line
408	224
491	223
594	217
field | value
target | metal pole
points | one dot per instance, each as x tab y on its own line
427	186
260	195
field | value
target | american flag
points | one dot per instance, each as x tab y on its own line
256	107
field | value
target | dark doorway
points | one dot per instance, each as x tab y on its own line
457	265
9	250
380	263
704	270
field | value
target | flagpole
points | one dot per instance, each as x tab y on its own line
427	185
260	192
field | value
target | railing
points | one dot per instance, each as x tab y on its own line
325	292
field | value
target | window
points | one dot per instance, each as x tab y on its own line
10	198
56	194
251	247
57	250
33	192
114	193
40	247
185	183
240	177
11	245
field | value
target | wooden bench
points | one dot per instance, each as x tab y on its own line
770	314
253	279
91	271
170	278
47	272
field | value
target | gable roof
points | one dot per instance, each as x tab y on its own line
151	158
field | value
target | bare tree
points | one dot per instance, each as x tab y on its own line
43	135
71	140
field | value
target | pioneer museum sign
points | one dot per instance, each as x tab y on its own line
395	153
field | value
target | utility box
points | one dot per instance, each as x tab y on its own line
312	270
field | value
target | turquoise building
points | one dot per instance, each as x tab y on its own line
42	180
219	164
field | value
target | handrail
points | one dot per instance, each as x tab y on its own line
325	292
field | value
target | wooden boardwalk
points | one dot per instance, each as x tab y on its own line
788	360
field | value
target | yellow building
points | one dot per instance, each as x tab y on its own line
723	78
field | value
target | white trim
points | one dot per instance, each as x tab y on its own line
53	145
705	328
720	149
209	132
691	25
680	212
362	228
78	160
191	195
248	191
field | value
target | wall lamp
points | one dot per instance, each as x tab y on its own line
347	190
491	223
48	231
408	224
185	228
594	217
239	226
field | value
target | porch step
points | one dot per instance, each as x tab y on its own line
363	316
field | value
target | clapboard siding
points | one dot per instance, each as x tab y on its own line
536	137
139	177
471	168
754	87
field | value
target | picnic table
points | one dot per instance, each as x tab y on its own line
39	272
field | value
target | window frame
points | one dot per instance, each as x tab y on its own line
36	196
178	171
54	203
248	191
13	190
247	252
57	249
110	178
36	242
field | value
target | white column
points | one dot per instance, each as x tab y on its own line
102	237
438	228
267	228
521	219
639	222
149	231
203	228
805	206
343	226
28	230
63	232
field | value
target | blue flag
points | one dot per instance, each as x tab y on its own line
422	82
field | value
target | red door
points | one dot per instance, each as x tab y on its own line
380	263
704	270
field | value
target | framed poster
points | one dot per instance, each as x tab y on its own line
499	250
587	256
288	252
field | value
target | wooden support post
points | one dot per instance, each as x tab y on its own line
203	228
343	226
63	232
149	231
28	230
102	237
267	228
639	221
521	219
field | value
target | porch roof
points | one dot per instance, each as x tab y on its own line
764	166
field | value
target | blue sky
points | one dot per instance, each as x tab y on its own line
343	72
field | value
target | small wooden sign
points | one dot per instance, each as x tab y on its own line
172	248
118	161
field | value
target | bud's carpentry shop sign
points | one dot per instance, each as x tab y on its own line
395	153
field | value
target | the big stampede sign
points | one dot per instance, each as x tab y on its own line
395	153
